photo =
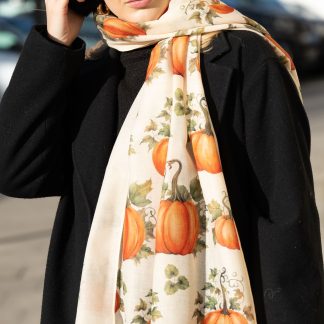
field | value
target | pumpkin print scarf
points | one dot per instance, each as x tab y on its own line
163	246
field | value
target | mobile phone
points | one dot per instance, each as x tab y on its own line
84	8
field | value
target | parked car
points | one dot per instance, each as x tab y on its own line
299	30
314	6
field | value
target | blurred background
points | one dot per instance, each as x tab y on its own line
25	224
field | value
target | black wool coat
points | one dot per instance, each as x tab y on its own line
58	126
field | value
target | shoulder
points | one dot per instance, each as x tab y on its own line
251	43
243	50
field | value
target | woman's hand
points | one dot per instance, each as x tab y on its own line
63	24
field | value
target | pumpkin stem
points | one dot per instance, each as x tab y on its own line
175	195
222	278
208	129
227	207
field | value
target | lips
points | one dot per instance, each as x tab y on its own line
138	3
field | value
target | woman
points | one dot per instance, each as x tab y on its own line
59	120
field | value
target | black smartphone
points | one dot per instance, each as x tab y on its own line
84	8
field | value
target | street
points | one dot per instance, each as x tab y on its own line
25	226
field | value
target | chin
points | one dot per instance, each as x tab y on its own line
142	15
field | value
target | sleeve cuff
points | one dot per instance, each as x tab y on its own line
77	45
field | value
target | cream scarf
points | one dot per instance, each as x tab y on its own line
163	245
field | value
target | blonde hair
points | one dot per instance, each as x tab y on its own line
207	38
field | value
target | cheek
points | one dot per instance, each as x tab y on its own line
115	6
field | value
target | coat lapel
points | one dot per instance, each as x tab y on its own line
216	78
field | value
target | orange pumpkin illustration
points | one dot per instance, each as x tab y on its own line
154	59
117	301
178	224
221	8
221	317
204	146
225	230
269	38
117	28
224	315
198	63
133	233
159	155
179	54
205	152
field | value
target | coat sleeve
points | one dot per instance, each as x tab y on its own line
34	138
287	241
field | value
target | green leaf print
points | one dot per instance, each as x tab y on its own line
202	215
168	103
154	297
179	94
184	193
144	252
198	31
215	209
191	127
182	282
208	285
171	271
192	65
141	306
165	130
214	236
200	5
199	299
179	109
150	141
147	312
200	245
247	310
211	302
165	114
170	287
155	313
152	126
120	283
209	16
179	282
139	319
149	227
195	189
239	293
233	304
131	150
124	288
196	16
164	190
199	314
138	193
213	274
194	43
157	71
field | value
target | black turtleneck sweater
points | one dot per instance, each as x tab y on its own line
135	63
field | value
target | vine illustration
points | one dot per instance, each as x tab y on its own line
226	302
147	309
